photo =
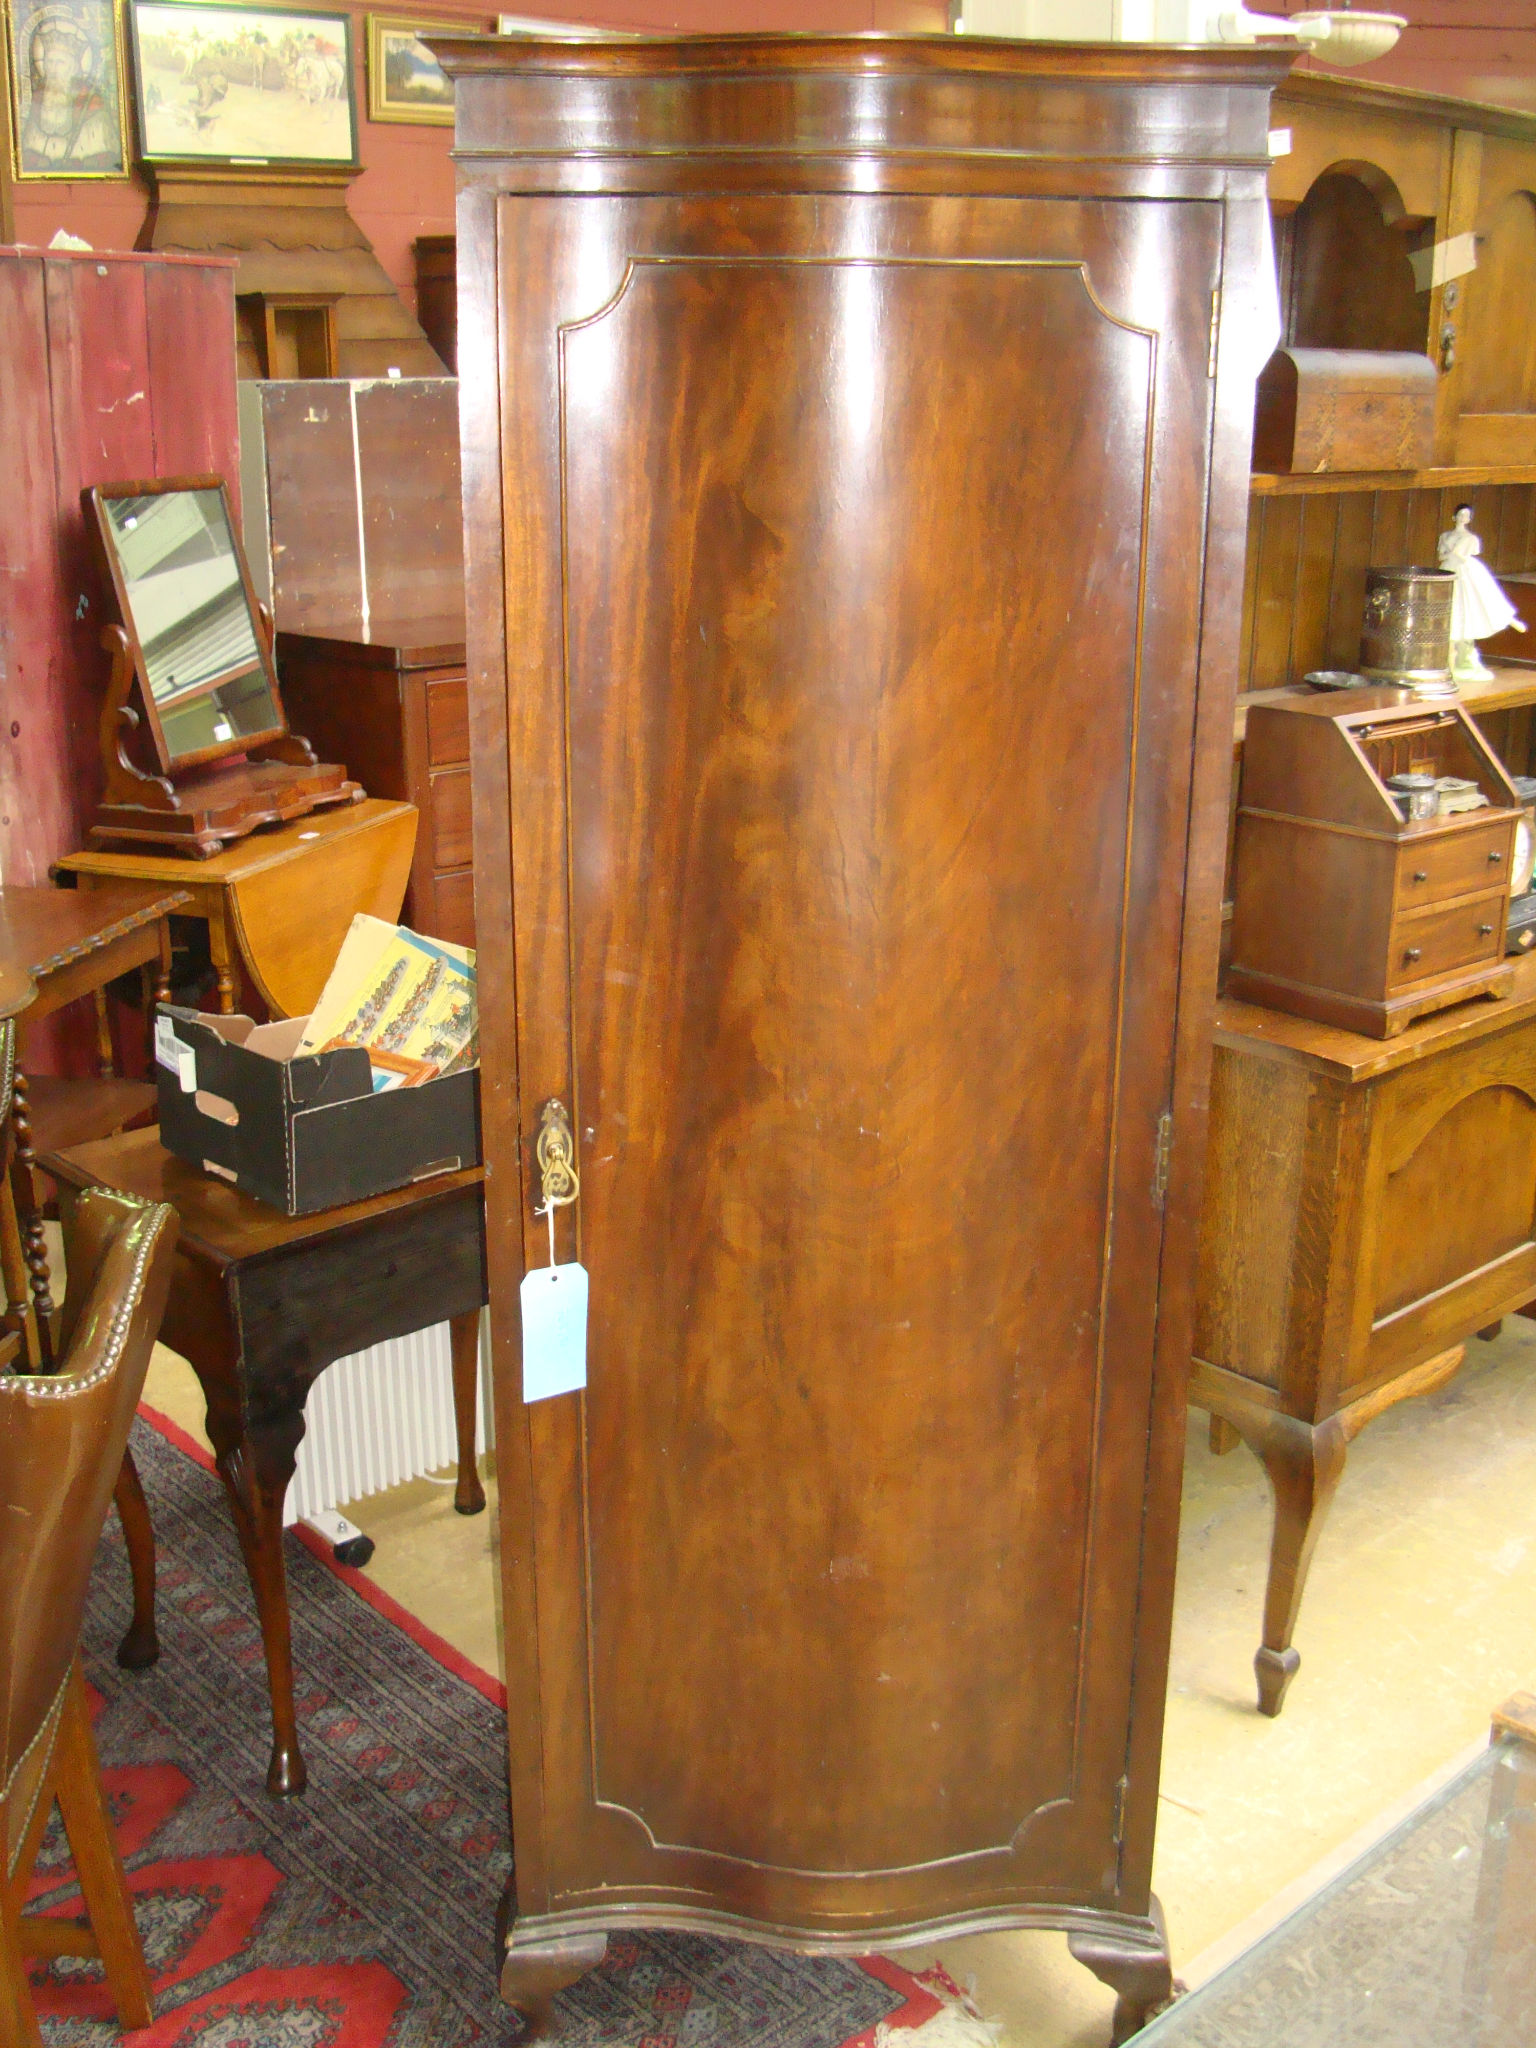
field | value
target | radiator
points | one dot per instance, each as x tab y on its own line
381	1417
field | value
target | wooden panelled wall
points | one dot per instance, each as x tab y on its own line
1308	553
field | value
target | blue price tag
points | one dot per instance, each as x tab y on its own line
554	1331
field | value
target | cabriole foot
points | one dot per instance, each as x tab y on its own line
1136	1968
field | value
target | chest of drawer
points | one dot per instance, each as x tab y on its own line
1439	941
1457	864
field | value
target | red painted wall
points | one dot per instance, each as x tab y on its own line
109	370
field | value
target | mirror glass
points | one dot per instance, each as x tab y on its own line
187	601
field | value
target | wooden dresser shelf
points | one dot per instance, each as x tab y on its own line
1331	482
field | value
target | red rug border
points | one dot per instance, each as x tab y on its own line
484	1682
921	2003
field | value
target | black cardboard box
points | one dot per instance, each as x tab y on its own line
302	1134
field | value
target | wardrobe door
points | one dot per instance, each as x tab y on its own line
850	733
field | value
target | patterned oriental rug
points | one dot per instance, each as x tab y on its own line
360	1916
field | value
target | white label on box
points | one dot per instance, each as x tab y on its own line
554	1300
176	1058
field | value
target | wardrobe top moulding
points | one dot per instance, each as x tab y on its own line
1156	122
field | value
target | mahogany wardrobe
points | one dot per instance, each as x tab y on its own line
856	441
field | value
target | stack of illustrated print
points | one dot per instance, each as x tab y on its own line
408	1001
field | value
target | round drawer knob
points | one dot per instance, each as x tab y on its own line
1421	874
1495	857
1486	930
1410	954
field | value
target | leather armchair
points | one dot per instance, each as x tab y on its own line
62	1438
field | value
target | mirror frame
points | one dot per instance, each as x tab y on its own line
159	487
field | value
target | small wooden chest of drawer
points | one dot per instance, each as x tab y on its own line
391	700
1344	910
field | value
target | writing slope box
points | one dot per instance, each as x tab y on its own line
302	1133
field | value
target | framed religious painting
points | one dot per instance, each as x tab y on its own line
405	80
243	85
65	63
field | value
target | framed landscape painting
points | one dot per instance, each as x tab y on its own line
243	85
65	63
405	80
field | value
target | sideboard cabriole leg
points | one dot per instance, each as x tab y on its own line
1304	1465
1138	1970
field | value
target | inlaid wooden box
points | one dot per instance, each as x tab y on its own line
1344	408
1343	910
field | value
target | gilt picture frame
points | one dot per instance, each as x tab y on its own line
405	82
66	72
243	85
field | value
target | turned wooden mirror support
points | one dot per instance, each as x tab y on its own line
195	750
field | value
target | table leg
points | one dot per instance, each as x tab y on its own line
106	1058
1304	1463
140	1647
223	956
163	973
257	1476
464	1335
255	1462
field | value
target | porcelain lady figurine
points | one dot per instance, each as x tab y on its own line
1478	606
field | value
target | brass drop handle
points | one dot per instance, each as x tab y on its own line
1421	874
1410	954
555	1152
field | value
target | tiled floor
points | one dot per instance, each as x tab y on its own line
1420	1617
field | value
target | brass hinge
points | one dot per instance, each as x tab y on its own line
1122	1791
1163	1158
1210	359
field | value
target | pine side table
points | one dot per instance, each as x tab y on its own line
279	903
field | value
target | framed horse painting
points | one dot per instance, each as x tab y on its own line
243	85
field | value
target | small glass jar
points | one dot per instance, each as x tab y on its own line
1415	795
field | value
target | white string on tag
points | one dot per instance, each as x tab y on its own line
549	1211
